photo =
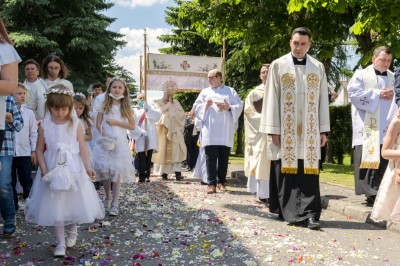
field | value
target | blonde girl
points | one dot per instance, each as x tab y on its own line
113	120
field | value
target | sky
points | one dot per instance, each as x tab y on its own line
132	17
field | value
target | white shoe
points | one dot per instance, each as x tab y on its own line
21	205
59	251
71	239
114	211
107	204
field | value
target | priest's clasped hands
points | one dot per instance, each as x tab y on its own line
386	94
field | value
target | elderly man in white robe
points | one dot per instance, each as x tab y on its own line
146	138
256	183
296	114
371	92
217	108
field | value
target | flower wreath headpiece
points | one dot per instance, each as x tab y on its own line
58	90
80	94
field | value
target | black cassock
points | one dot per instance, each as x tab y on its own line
296	197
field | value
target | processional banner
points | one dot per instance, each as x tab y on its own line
187	71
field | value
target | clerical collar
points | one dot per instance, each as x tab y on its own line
377	72
297	61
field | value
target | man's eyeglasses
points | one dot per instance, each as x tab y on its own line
211	77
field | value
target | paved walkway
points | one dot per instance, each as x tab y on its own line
336	198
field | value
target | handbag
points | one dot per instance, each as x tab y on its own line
60	178
106	143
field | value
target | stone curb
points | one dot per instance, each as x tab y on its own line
353	210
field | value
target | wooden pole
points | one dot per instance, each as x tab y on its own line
141	74
145	66
145	88
223	57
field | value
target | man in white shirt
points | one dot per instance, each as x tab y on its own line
218	108
36	87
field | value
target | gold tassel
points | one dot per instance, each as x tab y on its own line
369	165
289	170
311	171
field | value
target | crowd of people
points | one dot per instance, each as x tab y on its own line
76	140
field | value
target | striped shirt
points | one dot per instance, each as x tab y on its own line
15	125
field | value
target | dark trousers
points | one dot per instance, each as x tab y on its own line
144	164
23	167
367	181
217	157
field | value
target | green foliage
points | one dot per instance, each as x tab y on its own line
371	22
186	99
74	30
339	140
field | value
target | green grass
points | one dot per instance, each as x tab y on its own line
333	173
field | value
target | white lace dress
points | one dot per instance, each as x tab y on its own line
50	208
118	163
387	202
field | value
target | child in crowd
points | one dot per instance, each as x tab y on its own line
79	203
115	165
14	122
387	202
82	111
24	146
145	135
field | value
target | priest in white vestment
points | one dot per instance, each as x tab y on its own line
217	108
171	145
371	92
256	183
296	114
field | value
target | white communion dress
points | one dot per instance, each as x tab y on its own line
387	202
117	163
75	206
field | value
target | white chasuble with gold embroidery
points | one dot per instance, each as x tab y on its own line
300	93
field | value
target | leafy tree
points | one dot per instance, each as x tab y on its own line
256	32
372	22
74	30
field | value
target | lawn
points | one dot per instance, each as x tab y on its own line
332	173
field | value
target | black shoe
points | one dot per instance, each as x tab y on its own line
147	180
370	200
178	176
280	217
312	224
164	176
